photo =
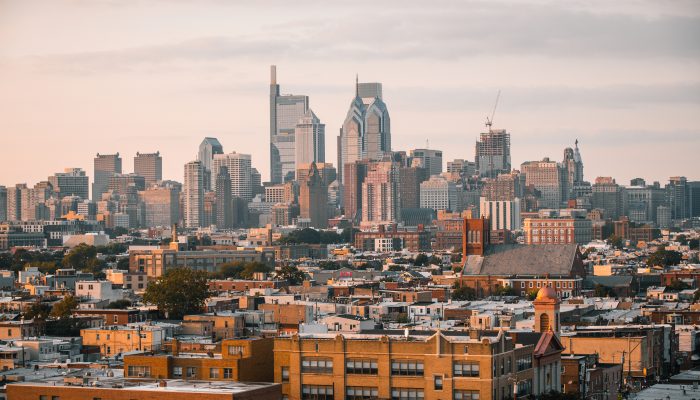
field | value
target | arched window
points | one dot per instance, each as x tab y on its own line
544	322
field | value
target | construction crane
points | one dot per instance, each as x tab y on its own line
489	121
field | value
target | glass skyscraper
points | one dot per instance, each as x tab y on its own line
285	112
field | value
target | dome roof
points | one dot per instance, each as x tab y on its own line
547	293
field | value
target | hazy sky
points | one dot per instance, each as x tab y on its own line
79	77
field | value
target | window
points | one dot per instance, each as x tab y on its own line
116	319
177	372
365	367
466	368
405	393
524	388
407	368
317	365
437	382
361	393
138	371
228	373
214	373
524	362
466	395
522	284
191	372
235	350
313	392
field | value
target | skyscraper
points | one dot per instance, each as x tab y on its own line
239	170
285	112
493	153
224	205
309	140
150	166
207	150
313	198
105	166
439	194
354	177
71	182
380	194
607	195
366	131
193	194
14	202
431	160
573	171
677	195
161	205
546	177
3	203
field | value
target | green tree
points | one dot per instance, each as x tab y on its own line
38	310
122	304
694	244
463	293
329	237
616	242
603	291
231	270
421	260
330	265
82	257
396	267
64	308
123	263
682	239
532	294
664	258
504	291
253	267
179	292
677	285
291	274
347	234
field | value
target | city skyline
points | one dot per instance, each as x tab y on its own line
622	101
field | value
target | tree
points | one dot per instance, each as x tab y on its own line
462	293
421	260
38	310
682	239
231	270
253	267
347	234
396	267
329	237
291	274
306	235
64	308
664	258
616	242
694	244
82	257
330	265
504	291
123	263
179	292
122	304
603	291
677	285
532	294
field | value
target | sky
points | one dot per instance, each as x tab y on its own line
80	77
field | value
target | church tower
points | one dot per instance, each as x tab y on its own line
547	311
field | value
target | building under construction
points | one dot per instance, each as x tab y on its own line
493	153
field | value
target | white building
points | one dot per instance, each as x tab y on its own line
193	194
98	290
439	194
239	170
309	138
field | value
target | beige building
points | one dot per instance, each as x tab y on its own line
119	339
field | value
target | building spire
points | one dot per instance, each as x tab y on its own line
357	85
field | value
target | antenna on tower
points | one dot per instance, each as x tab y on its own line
489	121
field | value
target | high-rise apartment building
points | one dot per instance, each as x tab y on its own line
380	194
493	153
366	131
150	166
193	194
502	214
285	113
410	179
546	177
207	150
224	204
439	194
3	203
354	177
309	141
607	196
694	199
239	170
313	198
677	196
105	166
431	160
70	182
14	201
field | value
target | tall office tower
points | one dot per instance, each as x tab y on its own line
3	203
502	214
380	194
285	113
313	198
150	166
410	179
607	196
309	140
105	166
14	202
677	196
439	194
256	186
209	211
161	204
354	177
70	182
224	204
694	199
663	217
546	177
573	171
193	194
493	153
366	131
326	171
505	187
207	150
641	201
239	170
431	160
462	167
